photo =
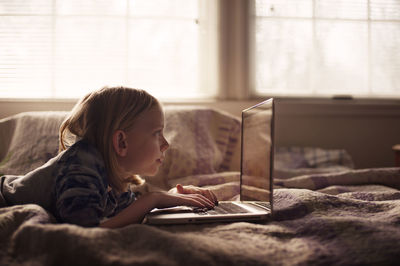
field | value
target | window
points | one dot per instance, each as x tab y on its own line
200	48
65	48
327	47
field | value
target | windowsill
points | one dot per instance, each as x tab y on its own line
285	106
295	99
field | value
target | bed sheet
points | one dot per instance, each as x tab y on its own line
325	212
354	224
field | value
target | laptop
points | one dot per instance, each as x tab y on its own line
256	180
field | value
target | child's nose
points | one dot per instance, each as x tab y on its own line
164	145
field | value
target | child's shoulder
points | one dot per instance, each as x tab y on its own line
82	159
82	152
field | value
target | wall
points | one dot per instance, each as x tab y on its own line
366	129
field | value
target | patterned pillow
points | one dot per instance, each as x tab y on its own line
28	140
202	141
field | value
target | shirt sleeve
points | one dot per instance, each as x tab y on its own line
80	197
124	200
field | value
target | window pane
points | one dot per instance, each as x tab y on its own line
345	52
385	9
90	53
24	7
162	8
385	58
25	56
283	54
84	45
163	56
98	7
354	9
341	58
284	8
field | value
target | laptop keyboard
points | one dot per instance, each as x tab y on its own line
265	205
222	208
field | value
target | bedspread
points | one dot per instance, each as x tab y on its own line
353	227
324	211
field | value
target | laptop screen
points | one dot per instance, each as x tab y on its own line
257	152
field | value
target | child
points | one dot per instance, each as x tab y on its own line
111	136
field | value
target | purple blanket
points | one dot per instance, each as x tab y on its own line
349	217
356	227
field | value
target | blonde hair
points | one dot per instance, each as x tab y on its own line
97	116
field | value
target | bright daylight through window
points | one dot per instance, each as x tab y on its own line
178	48
327	47
65	48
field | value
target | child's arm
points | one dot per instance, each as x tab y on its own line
137	210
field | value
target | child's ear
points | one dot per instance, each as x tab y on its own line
120	143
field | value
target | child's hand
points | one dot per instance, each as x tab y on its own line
137	210
196	190
168	199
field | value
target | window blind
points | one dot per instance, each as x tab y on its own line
327	47
65	48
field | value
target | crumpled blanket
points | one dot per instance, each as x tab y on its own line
359	227
344	217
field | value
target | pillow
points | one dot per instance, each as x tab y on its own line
295	161
202	141
310	157
28	140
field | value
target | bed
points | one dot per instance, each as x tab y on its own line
325	211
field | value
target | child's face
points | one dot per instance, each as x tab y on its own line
145	144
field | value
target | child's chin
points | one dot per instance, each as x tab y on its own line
152	173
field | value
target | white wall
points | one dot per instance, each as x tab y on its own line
366	129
